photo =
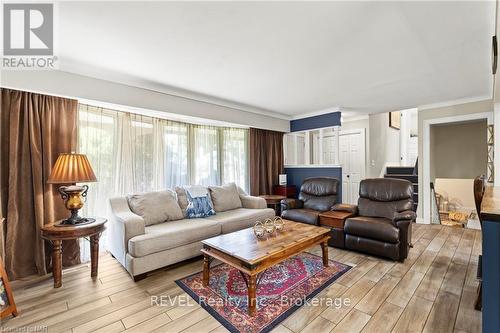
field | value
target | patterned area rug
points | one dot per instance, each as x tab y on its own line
282	289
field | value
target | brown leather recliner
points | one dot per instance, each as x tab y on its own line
383	223
316	195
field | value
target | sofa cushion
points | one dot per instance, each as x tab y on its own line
377	228
155	207
182	199
225	197
241	218
304	215
164	236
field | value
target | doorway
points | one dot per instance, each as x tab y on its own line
353	161
427	171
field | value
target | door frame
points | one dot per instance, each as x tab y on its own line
424	187
361	131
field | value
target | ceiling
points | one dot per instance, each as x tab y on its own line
286	59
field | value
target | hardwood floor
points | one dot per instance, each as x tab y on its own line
432	291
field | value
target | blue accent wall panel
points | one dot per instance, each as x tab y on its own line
296	176
324	120
491	276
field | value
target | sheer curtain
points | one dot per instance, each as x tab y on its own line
204	144
98	137
235	157
134	153
175	160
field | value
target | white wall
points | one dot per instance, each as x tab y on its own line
384	144
458	150
82	87
408	144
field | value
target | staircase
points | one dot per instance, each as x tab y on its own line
406	173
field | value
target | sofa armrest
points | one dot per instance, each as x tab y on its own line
124	226
291	204
252	202
405	215
345	208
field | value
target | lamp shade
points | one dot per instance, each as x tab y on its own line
71	168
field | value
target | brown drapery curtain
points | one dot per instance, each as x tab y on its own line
35	128
266	160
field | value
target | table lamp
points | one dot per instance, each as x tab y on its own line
71	168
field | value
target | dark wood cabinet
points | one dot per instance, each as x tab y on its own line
289	191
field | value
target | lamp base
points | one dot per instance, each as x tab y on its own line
75	220
74	198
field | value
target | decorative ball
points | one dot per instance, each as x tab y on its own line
259	230
269	226
279	225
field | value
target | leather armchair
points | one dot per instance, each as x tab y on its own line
383	223
316	195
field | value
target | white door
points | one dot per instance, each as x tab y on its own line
352	159
329	149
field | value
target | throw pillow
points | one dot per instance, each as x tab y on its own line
225	197
199	206
182	199
155	207
195	190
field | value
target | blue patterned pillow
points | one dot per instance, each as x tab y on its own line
199	206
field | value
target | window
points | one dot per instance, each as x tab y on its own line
142	150
135	153
235	156
176	154
205	160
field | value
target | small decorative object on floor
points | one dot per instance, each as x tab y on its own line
259	230
455	218
7	304
71	169
279	225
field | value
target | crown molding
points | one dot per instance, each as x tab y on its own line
354	118
161	114
106	75
454	102
316	113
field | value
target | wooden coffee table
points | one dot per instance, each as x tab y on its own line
252	256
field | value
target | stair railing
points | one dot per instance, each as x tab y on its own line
435	217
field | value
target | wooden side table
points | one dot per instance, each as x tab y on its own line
335	220
56	234
273	201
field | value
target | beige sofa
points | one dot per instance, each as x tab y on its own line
141	248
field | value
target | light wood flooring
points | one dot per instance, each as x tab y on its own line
432	291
